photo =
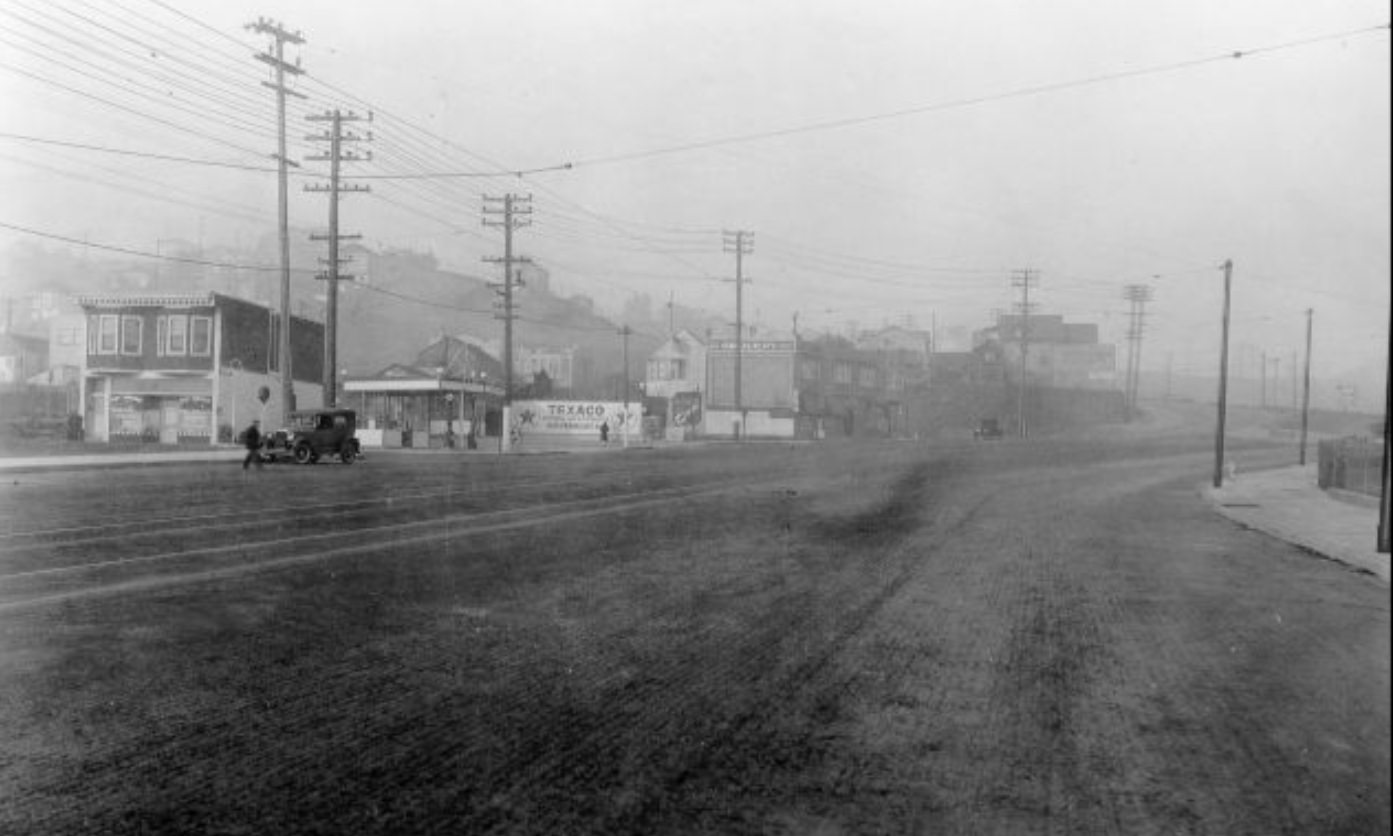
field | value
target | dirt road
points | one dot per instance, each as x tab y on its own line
1013	638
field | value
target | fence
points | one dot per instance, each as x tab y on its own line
1353	464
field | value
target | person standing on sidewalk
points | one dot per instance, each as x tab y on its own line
604	433
252	439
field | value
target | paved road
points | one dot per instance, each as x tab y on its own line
1012	638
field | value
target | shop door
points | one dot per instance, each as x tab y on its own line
169	422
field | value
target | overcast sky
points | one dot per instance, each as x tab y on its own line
893	159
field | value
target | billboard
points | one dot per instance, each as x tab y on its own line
575	417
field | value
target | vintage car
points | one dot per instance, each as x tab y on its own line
987	429
314	433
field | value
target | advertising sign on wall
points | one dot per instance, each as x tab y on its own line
575	417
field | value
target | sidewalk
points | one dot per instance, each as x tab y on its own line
1286	503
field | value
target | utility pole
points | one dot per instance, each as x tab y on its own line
1023	279
1295	385
515	212
1306	388
278	63
1223	379
624	333
742	243
1385	512
335	137
1262	389
1138	295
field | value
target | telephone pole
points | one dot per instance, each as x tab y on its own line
335	137
1262	388
1137	295
1223	379
515	212
278	63
1023	279
742	243
1306	387
624	333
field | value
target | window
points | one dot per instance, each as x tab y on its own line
161	334
106	334
200	336
132	332
177	337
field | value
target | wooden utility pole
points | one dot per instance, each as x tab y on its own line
1223	380
1262	388
1385	511
624	333
1138	295
515	212
335	137
1306	388
1023	279
278	63
742	243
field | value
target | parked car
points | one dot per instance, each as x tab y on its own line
314	433
988	428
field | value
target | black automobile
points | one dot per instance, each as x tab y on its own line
987	429
314	433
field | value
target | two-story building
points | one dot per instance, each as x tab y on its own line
190	369
674	379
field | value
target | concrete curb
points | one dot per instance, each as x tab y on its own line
1286	504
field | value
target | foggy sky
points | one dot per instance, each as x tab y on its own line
903	158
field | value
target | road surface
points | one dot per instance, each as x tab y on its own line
1013	637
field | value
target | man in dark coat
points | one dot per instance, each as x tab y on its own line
252	439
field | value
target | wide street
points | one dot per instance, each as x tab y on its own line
1008	637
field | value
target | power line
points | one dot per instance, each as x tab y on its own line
1022	92
262	268
149	155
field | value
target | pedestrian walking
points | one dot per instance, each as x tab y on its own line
604	433
252	439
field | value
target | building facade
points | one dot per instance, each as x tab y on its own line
178	369
1058	354
452	393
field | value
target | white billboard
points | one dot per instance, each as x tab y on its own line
576	417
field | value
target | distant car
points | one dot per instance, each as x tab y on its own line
987	428
312	434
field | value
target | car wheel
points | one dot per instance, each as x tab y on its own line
303	454
346	455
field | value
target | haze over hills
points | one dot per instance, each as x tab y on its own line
404	300
387	316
